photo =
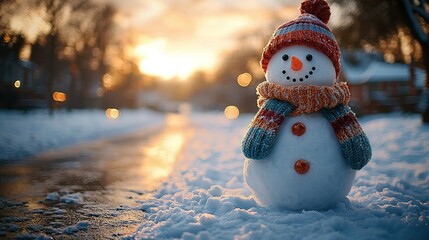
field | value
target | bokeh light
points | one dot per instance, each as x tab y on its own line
59	96
112	113
244	79
17	84
100	92
6	38
231	112
107	81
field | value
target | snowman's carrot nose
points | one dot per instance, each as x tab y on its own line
296	63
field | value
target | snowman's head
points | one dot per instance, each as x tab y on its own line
288	51
300	65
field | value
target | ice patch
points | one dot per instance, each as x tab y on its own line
33	237
80	226
55	211
9	227
64	197
53	196
72	198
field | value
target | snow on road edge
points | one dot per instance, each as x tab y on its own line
25	134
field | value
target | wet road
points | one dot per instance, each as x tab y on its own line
89	191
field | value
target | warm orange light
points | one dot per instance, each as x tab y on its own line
59	96
163	57
112	113
17	84
244	79
107	81
231	112
6	38
165	154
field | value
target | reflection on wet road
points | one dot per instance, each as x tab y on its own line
165	152
89	191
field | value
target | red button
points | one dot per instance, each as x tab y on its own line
298	129
301	166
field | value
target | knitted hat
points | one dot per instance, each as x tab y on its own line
308	29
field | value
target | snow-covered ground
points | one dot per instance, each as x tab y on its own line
205	197
26	134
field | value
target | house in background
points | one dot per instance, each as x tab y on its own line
378	86
23	84
32	93
19	84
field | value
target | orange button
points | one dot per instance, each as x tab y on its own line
298	129
301	166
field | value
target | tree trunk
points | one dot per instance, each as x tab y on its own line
51	70
425	95
425	48
413	8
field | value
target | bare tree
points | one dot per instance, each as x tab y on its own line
56	11
384	24
79	32
89	52
417	13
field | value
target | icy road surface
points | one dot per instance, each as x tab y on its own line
88	191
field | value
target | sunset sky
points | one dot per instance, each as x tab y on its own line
176	37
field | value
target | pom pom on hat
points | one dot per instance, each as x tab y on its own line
308	29
318	8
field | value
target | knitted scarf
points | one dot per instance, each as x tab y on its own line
277	102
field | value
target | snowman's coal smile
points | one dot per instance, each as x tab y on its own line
307	76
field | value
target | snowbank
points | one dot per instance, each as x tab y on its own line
25	134
205	198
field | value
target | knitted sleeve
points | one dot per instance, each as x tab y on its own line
354	143
261	135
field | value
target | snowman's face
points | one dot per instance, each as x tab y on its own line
300	65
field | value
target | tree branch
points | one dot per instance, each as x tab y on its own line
414	23
421	12
422	4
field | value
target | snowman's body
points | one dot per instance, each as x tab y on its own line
274	181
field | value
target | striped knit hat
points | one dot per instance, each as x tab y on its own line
308	29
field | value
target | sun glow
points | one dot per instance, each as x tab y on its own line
157	58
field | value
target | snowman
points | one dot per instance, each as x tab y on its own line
305	144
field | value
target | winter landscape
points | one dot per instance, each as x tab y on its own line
195	120
204	197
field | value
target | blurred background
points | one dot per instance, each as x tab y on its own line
115	54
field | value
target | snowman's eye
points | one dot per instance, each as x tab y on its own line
285	57
309	57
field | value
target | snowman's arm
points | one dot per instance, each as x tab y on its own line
261	135
354	142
